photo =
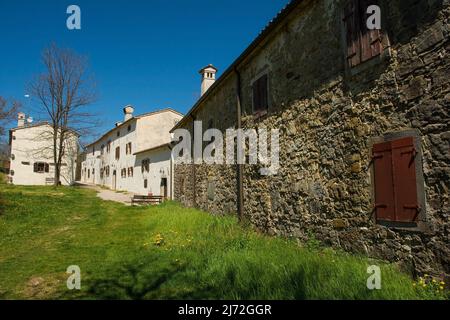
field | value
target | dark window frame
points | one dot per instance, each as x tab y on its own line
41	167
260	95
145	165
117	154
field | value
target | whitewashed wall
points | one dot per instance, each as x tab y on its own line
34	144
146	132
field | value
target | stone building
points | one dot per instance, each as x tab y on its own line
133	156
31	154
364	130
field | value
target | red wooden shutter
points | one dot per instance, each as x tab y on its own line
352	30
384	182
370	39
404	172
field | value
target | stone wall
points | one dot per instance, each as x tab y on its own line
211	188
329	116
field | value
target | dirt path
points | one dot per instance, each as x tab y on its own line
110	195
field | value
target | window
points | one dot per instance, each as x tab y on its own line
395	181
89	173
130	171
129	128
40	167
108	147
107	171
101	173
118	133
145	183
102	150
145	166
13	157
117	153
260	95
128	148
362	44
93	150
123	173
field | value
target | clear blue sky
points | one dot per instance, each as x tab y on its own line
144	53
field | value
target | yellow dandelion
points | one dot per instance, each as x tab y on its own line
414	284
442	283
441	287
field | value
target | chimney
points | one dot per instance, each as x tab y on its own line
208	77
128	112
20	119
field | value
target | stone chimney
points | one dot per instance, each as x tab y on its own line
208	77
20	119
128	112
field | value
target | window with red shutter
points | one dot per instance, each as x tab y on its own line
362	44
395	189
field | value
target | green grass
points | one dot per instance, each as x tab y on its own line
164	252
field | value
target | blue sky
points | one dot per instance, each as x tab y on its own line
144	53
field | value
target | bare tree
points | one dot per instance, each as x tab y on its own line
7	112
64	92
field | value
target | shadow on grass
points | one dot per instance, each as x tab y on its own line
134	281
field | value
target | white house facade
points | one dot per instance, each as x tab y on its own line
134	156
31	152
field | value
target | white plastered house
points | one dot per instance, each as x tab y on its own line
135	155
31	148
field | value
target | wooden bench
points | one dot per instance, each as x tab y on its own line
138	199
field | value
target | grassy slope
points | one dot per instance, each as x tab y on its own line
43	231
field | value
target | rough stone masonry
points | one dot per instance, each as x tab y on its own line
330	115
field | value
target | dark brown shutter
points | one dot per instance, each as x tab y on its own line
35	167
264	92
370	39
384	182
260	94
46	167
404	172
352	30
256	96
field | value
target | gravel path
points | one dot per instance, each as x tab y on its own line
110	195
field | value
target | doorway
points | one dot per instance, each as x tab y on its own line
164	188
114	180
